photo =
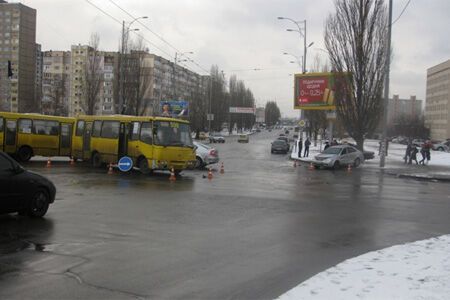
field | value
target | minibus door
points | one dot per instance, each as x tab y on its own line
65	140
87	141
10	136
123	141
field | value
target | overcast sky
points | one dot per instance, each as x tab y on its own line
240	35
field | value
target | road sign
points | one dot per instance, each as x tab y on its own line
302	123
209	117
125	164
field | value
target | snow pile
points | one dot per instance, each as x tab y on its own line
419	270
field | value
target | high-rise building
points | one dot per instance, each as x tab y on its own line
18	50
56	82
79	58
403	108
39	76
437	104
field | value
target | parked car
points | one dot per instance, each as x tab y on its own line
337	156
205	155
279	146
443	146
23	191
243	138
216	138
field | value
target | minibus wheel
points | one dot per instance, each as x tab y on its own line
143	166
25	153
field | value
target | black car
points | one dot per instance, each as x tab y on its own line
279	146
23	191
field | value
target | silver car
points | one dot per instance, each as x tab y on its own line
205	155
337	156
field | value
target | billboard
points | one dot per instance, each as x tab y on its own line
315	90
174	108
242	110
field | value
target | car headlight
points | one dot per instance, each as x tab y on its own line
328	160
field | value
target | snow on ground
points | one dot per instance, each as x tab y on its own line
419	271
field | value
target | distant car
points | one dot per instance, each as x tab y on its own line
443	146
286	131
216	138
205	155
279	146
282	134
258	130
338	156
202	136
243	138
23	191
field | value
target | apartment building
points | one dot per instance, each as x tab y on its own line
56	82
437	105
403	108
39	76
17	48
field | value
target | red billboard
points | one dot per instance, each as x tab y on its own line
314	91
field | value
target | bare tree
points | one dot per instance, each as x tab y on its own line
93	75
355	39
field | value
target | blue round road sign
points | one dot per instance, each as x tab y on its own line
125	164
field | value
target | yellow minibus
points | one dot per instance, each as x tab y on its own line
26	135
153	143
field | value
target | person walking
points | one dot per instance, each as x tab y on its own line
326	146
423	153
413	155
300	145
307	144
428	147
407	153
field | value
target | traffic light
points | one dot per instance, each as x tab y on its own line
10	72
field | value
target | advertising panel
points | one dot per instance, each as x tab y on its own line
174	108
316	90
242	110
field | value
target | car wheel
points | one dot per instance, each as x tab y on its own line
143	166
356	163
25	153
336	165
39	204
198	163
440	149
96	160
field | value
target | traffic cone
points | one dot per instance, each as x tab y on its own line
349	168
222	170
110	169
72	161
210	175
295	163
172	175
311	167
49	163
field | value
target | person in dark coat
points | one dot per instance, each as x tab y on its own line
424	155
300	145
407	153
307	144
326	145
413	155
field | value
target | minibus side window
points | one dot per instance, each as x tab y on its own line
97	128
80	128
24	126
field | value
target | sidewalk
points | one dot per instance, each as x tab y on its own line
437	169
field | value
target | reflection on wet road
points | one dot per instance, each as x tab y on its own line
254	232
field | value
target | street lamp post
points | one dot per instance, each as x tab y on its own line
125	32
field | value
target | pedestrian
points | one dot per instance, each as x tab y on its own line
334	143
307	143
300	145
407	153
423	153
428	147
413	155
327	145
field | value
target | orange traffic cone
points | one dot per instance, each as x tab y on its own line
210	175
172	175
295	163
110	169
349	168
222	170
49	163
72	161
311	167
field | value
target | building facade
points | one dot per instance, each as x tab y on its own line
437	105
18	49
56	82
403	108
39	76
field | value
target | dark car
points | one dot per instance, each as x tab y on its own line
279	146
284	138
23	191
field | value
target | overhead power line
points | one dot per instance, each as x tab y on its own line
403	10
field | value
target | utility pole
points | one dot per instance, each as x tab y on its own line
121	107
386	90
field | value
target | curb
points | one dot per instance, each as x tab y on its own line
424	177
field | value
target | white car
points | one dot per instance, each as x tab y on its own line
205	155
339	156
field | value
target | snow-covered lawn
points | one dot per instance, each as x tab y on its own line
419	270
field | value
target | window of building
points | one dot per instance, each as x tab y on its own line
97	128
110	129
80	128
25	125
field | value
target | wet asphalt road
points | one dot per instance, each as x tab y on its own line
252	233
